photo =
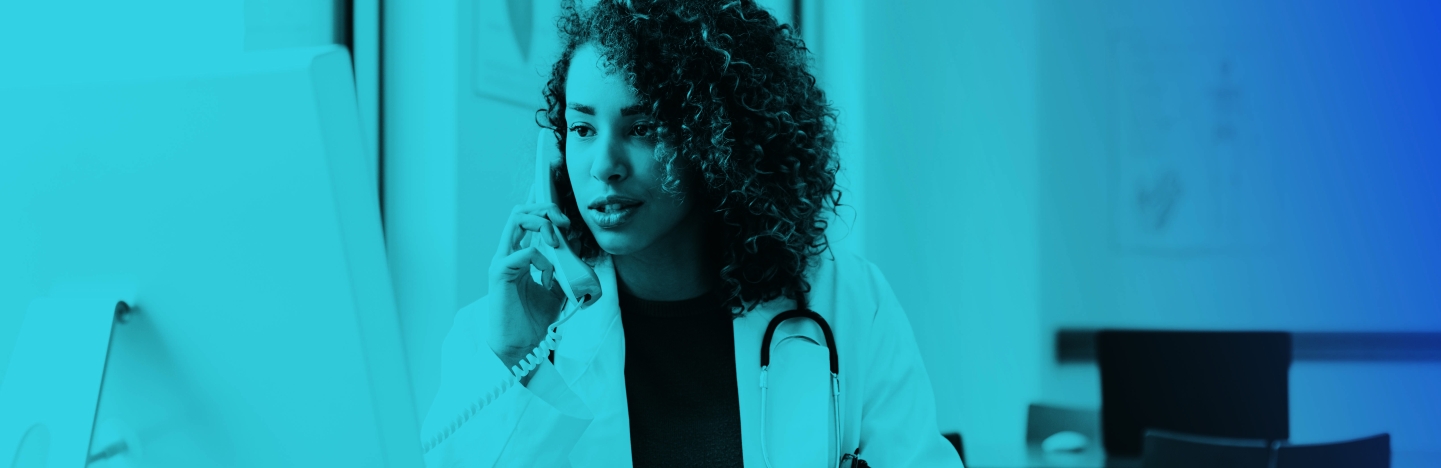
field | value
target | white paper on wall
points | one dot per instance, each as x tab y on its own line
1189	168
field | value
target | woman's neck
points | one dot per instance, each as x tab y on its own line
676	267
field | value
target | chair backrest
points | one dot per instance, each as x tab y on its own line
1222	384
1043	420
1369	452
1164	449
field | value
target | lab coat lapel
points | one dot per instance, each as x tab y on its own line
591	359
748	330
593	329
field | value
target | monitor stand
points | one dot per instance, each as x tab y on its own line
50	392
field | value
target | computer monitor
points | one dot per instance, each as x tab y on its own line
233	193
1222	384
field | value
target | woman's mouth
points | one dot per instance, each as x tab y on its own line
613	215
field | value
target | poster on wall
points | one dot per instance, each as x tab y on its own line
516	43
1190	172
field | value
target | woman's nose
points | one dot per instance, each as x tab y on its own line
612	164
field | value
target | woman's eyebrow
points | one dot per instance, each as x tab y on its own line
634	109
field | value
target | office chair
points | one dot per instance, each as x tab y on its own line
1369	452
1165	449
1219	384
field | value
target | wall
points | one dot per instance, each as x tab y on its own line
1037	139
1302	188
835	32
951	189
421	85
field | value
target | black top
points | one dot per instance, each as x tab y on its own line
680	382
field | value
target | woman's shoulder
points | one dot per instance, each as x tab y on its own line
848	281
846	268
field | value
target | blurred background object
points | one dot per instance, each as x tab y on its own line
1025	173
1172	450
1220	384
1044	421
1169	449
1366	452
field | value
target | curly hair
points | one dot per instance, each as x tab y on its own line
738	111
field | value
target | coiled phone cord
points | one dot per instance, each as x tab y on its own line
517	372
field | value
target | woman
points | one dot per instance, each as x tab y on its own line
698	156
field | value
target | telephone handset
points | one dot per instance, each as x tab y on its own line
578	280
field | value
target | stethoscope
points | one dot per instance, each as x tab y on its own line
801	311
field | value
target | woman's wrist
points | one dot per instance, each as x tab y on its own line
511	355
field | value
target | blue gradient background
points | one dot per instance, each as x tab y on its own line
991	150
996	140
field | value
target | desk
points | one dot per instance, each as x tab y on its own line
1034	457
1096	458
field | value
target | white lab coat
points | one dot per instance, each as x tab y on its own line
574	412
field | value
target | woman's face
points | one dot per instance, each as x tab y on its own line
610	152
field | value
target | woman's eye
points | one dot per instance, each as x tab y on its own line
582	131
644	130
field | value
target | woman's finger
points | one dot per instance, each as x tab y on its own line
535	207
560	219
515	266
530	223
510	237
549	210
527	219
507	237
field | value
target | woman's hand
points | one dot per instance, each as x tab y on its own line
519	309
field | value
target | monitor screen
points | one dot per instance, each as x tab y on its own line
234	195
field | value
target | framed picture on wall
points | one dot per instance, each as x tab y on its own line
516	42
